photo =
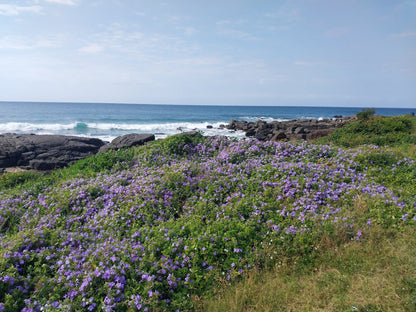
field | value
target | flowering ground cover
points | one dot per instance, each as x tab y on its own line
184	214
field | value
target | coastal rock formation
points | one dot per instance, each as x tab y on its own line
305	129
44	152
128	140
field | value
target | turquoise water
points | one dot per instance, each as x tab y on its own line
107	121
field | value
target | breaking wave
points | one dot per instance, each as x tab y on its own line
109	131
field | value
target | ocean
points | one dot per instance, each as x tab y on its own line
108	121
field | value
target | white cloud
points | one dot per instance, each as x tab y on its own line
22	43
404	34
285	14
65	2
118	38
193	62
91	48
234	33
189	31
8	43
232	29
310	63
336	32
10	9
283	18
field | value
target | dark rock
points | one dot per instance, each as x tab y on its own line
260	124
232	125
237	125
209	127
128	140
318	134
302	129
275	125
251	132
279	136
299	130
44	152
261	136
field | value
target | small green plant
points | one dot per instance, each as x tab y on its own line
98	163
11	180
366	114
181	144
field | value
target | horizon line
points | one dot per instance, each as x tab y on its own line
173	104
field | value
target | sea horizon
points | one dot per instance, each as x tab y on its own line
212	104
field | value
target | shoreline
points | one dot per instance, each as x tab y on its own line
298	129
43	153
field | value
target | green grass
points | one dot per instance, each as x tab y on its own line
376	274
376	130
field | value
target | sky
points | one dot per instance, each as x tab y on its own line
358	53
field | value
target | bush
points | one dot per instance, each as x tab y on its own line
366	114
181	144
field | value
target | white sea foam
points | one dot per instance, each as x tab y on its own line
27	127
160	127
109	131
256	118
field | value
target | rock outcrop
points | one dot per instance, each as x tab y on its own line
306	129
128	140
44	152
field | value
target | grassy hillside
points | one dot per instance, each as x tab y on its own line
376	273
194	223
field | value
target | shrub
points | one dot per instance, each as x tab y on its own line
366	114
11	180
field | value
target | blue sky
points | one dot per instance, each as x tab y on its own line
221	52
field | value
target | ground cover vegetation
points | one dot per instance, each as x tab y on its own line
210	223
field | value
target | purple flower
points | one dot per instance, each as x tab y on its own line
359	233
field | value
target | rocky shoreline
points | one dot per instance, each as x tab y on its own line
300	129
47	152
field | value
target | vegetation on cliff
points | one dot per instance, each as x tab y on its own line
200	223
